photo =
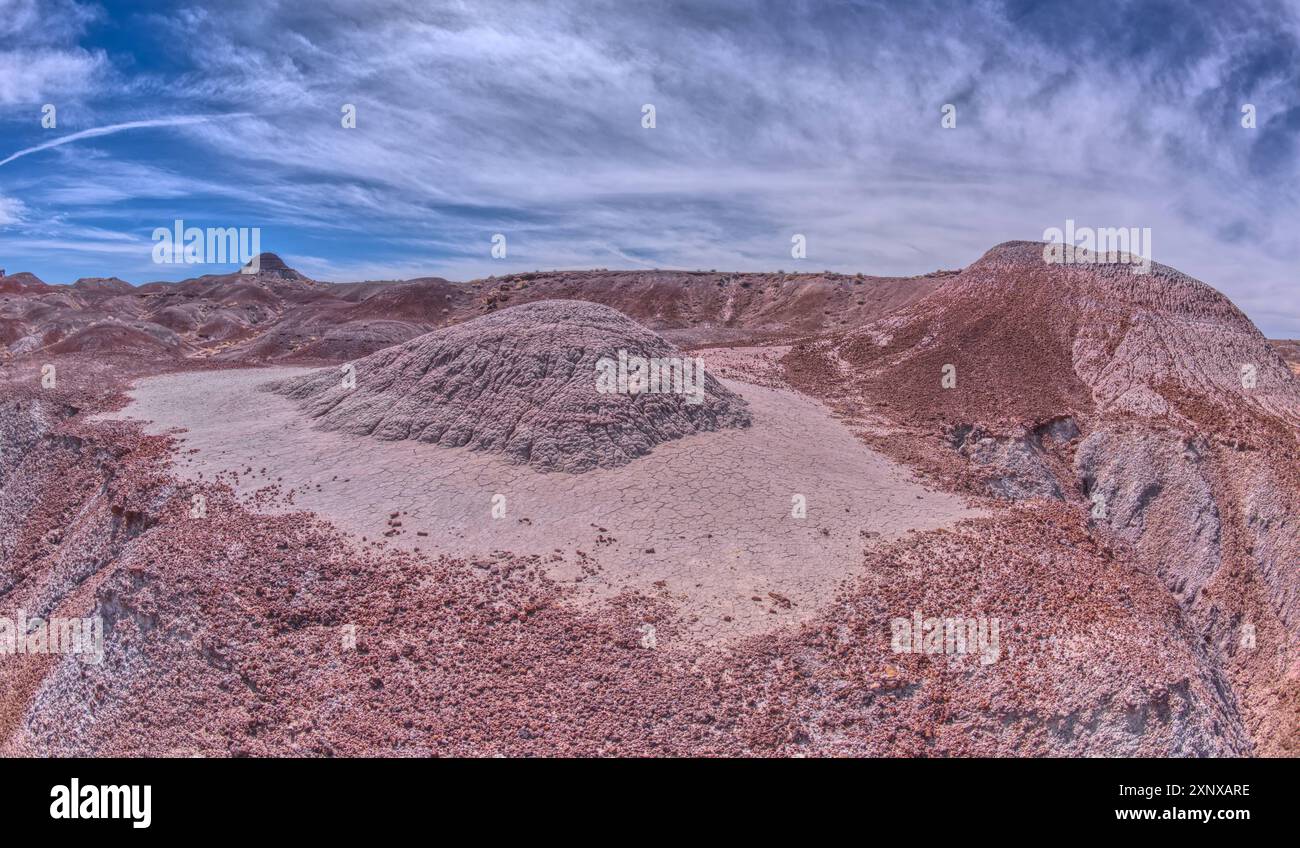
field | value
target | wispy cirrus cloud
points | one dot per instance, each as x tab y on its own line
39	58
34	76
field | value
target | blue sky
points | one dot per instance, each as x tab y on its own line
772	119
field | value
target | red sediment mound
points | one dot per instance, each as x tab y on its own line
10	332
220	326
103	284
521	382
22	282
709	305
1030	341
356	339
365	318
278	314
428	301
116	338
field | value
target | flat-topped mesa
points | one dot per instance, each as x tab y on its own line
559	385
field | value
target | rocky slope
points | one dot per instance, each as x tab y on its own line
1150	401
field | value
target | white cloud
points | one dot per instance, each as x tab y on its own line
11	210
38	76
39	59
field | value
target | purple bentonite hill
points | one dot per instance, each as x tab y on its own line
521	382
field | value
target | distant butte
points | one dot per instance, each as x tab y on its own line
271	265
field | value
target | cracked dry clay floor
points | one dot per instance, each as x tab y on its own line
705	519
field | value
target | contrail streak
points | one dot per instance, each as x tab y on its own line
95	132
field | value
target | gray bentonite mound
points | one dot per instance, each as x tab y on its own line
521	382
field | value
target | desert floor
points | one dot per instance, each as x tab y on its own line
706	519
